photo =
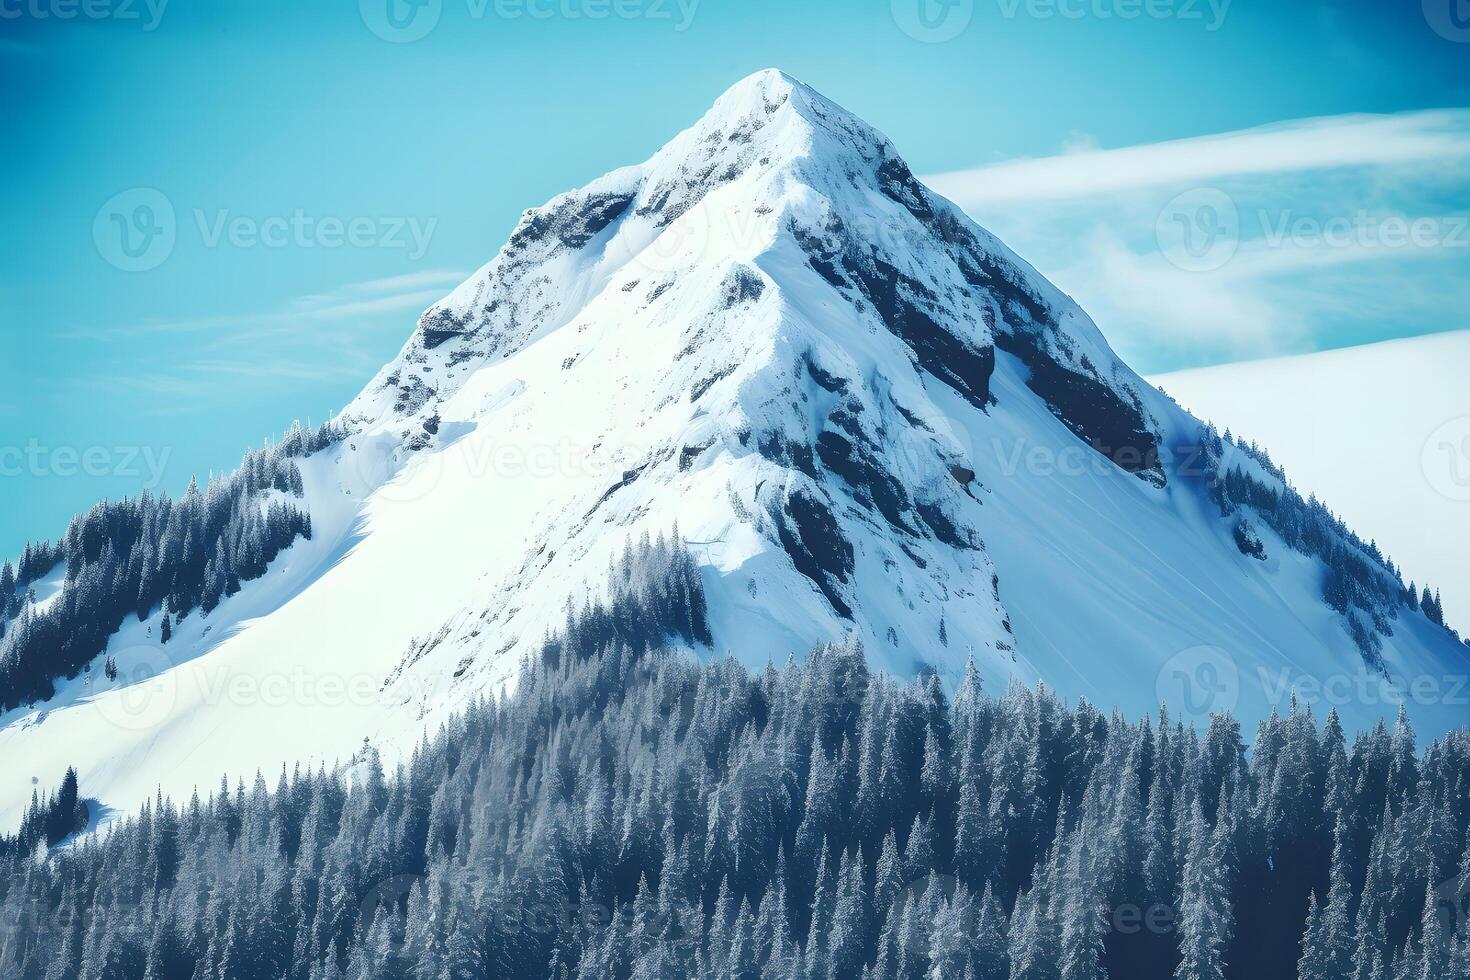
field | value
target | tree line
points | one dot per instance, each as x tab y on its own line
1359	582
139	555
631	814
47	822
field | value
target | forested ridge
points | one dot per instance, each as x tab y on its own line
631	813
148	554
1359	581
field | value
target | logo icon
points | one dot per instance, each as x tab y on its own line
144	692
1450	19
679	244
400	21
932	21
135	231
387	897
1454	903
390	472
1199	230
1199	682
1445	459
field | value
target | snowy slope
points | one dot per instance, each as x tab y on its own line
866	415
1380	431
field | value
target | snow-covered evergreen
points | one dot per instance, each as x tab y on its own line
632	813
138	555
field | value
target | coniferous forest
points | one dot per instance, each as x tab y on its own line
145	555
1360	583
630	813
50	821
440	690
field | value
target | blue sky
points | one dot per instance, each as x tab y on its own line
296	181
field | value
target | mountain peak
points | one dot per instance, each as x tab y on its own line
764	94
862	413
775	136
775	318
769	85
771	120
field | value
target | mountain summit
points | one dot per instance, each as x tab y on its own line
863	417
772	335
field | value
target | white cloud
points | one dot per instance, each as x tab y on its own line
407	284
1143	302
1080	142
1433	136
1312	210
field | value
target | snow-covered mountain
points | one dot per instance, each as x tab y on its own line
865	416
1413	494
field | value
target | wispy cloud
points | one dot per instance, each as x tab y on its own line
1429	138
392	295
306	338
1286	238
